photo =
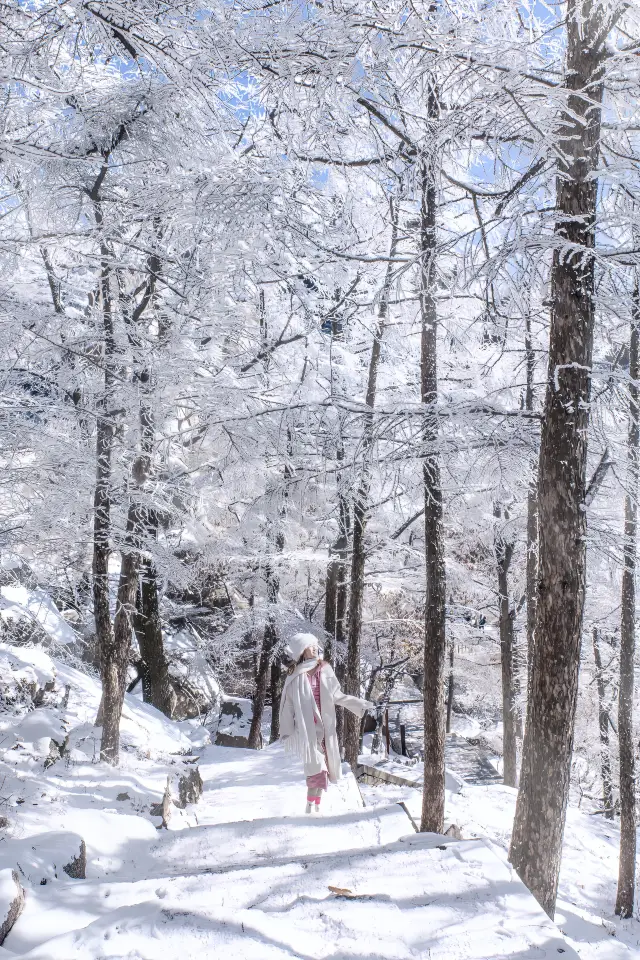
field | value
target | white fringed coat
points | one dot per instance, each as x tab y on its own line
291	732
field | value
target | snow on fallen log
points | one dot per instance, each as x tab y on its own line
11	901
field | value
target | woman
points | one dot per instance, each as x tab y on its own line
308	716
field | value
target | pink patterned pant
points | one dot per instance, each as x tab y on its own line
318	781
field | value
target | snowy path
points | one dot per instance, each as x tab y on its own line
254	879
244	874
406	901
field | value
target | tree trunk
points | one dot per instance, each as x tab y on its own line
536	843
148	622
435	604
277	681
603	723
627	867
102	549
107	718
262	680
330	603
150	641
450	689
335	607
114	679
360	513
336	592
269	642
504	555
273	588
532	518
352	678
157	687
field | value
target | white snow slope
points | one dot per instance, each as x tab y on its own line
589	872
242	874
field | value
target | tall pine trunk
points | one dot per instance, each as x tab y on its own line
361	512
603	724
341	618
150	638
269	640
277	682
536	843
627	866
118	656
532	515
277	676
157	686
504	555
435	601
335	610
450	689
108	713
268	673
337	582
143	525
336	579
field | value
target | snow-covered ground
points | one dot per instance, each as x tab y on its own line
589	865
244	873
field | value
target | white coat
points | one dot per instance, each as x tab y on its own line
330	695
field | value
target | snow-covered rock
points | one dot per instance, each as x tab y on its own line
83	743
38	729
47	857
24	671
236	714
198	692
34	606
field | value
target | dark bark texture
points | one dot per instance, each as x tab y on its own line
603	724
336	589
536	842
150	641
277	682
116	658
504	554
352	678
628	820
262	682
269	641
450	688
435	601
532	515
108	715
337	581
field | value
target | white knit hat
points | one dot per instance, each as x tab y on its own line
298	643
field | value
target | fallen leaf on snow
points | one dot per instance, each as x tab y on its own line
341	891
